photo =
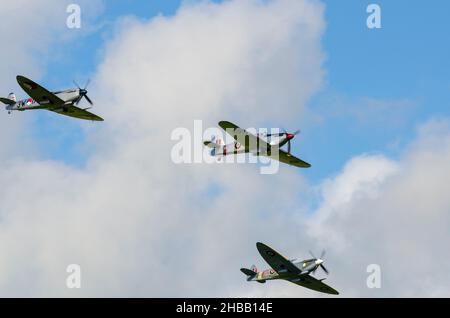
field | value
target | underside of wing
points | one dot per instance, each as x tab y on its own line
289	159
76	112
279	263
250	142
38	93
310	282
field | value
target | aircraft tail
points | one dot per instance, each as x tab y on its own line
11	100
217	146
214	142
251	273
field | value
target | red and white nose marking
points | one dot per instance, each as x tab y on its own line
290	136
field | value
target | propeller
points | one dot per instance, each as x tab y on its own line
319	262
289	136
83	92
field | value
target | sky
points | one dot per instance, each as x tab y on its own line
372	106
403	64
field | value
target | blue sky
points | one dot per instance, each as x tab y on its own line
403	66
378	87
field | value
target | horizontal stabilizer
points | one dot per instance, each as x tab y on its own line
211	144
7	101
248	272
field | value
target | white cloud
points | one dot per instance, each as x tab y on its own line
398	219
132	219
380	211
140	225
32	33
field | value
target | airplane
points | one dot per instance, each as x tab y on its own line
295	271
62	102
261	144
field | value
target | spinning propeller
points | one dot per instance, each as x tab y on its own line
289	136
319	262
83	93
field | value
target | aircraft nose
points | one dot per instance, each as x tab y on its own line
289	136
319	261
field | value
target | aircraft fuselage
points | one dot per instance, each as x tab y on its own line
306	267
69	97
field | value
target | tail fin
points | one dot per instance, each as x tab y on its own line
214	142
250	272
12	96
216	145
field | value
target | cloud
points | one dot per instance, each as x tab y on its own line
32	30
394	215
131	218
33	34
140	225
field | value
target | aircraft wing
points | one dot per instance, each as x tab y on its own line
38	93
243	137
285	157
73	111
310	282
279	263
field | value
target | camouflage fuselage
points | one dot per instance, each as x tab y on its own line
68	96
306	267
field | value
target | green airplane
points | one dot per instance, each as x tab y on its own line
63	102
297	272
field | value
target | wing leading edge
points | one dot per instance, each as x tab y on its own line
38	93
310	282
279	263
289	159
73	111
251	142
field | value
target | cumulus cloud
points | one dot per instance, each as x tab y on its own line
131	218
392	213
140	225
33	32
396	216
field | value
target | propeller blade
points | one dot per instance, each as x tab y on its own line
323	254
87	83
76	84
296	132
89	100
312	254
78	100
324	269
289	146
277	134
